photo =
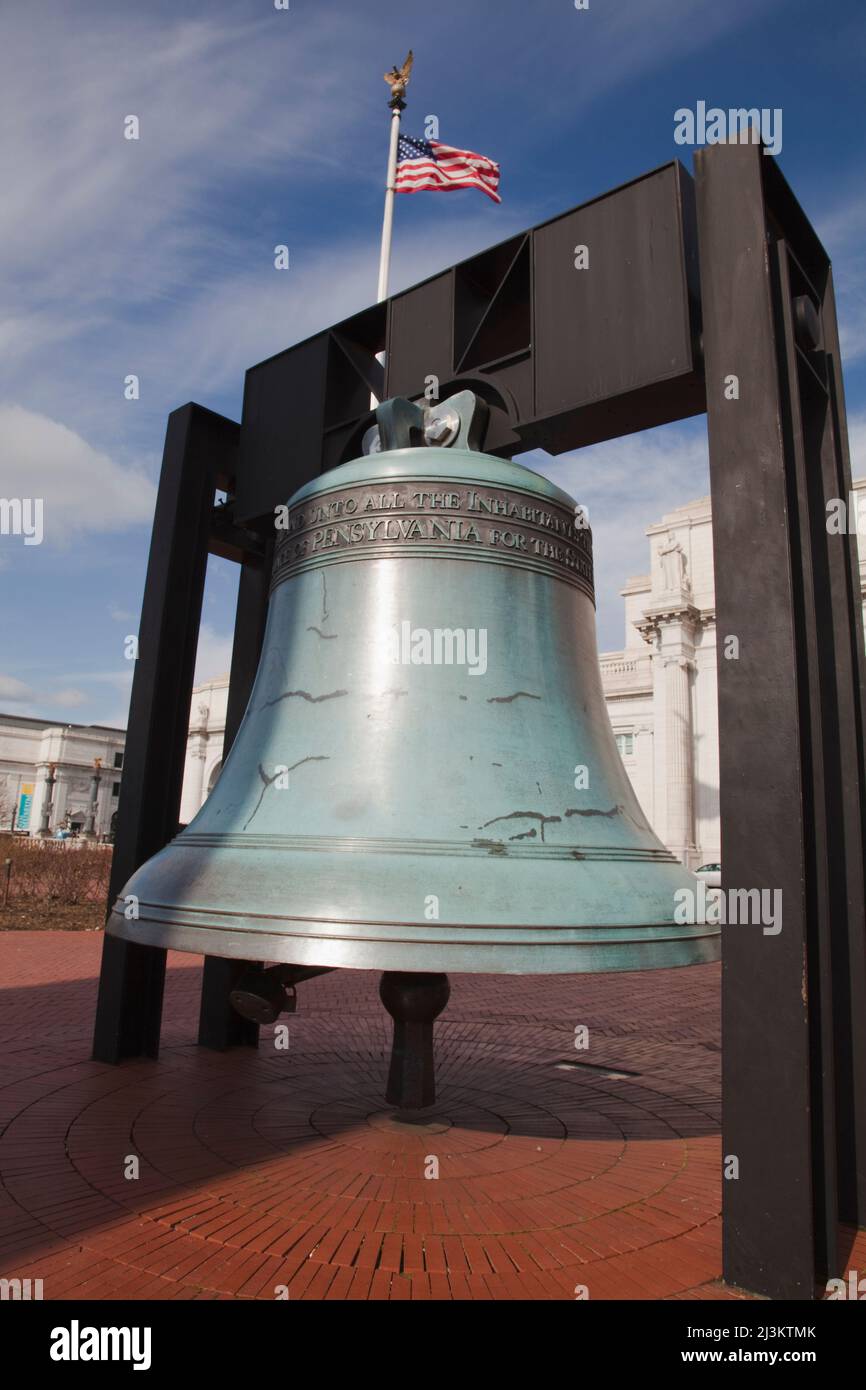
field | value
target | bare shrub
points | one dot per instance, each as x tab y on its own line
61	871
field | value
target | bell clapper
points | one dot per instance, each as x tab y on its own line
261	995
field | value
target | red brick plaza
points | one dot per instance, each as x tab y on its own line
269	1168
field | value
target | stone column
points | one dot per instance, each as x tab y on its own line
680	742
706	769
193	782
90	832
670	630
193	793
45	819
645	771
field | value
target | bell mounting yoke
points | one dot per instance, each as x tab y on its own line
459	422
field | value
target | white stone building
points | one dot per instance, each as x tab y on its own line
204	747
33	751
661	688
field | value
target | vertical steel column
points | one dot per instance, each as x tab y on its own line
219	1025
790	730
200	450
849	960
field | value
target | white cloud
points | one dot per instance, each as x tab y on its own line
857	443
630	483
127	245
14	692
216	100
627	484
95	227
69	698
624	45
843	232
213	659
82	489
116	715
213	656
258	311
36	700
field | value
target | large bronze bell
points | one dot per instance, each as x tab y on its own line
425	779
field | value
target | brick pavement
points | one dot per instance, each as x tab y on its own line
286	1168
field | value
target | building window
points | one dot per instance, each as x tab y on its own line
625	744
115	789
118	760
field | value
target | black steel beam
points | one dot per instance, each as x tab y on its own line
580	354
801	410
790	732
200	455
844	614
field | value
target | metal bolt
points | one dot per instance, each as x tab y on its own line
442	428
372	441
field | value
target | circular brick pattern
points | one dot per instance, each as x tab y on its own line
273	1170
408	1125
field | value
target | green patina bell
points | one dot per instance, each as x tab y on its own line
425	778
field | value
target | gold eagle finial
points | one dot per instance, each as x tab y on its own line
398	80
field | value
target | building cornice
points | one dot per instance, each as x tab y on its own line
679	610
625	676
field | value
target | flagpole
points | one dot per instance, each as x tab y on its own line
397	80
397	105
388	219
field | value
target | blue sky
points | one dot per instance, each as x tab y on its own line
259	126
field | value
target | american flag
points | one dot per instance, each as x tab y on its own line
423	164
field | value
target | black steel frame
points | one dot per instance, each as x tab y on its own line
720	288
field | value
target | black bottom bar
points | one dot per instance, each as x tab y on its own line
129	1004
219	1025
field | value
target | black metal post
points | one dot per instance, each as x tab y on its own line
790	731
200	451
849	958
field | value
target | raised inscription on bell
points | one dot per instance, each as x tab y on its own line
502	525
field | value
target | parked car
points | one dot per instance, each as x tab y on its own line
711	874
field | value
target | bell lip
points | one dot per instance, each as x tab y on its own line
560	951
447	465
